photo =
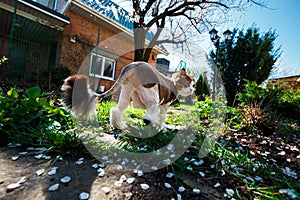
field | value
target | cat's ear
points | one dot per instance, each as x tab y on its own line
192	76
182	72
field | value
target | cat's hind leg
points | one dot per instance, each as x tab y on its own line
116	119
150	98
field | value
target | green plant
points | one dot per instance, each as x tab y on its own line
258	106
33	119
103	113
202	90
234	118
289	104
2	60
205	108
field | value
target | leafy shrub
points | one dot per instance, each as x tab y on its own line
33	119
202	90
265	108
205	108
289	104
234	118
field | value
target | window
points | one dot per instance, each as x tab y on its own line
102	67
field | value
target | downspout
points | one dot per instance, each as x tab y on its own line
9	46
66	7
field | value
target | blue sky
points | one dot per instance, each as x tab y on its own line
283	17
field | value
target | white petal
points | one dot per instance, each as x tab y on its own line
230	192
169	175
15	157
105	190
123	178
130	180
167	185
217	185
23	180
65	179
84	196
40	172
54	187
95	166
202	174
13	186
197	191
181	189
118	183
145	186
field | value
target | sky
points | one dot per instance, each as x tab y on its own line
283	16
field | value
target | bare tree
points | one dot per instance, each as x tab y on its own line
183	19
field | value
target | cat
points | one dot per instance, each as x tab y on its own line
140	83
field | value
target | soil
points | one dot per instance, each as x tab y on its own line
84	178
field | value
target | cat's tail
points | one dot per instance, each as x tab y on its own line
77	96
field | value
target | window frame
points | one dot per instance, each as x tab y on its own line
104	59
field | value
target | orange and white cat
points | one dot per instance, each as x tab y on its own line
140	83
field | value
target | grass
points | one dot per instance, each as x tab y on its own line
52	127
257	178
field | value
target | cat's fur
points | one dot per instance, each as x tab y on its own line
140	83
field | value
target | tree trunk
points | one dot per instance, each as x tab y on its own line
139	43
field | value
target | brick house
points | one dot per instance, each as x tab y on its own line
101	35
90	37
30	37
293	82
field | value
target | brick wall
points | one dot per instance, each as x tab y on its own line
75	55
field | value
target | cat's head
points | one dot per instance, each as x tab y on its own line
184	83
